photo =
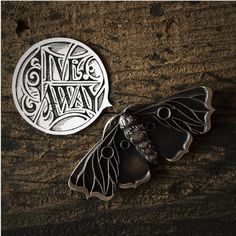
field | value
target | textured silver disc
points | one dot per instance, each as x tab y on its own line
60	86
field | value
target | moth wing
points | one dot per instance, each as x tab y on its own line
105	165
97	173
175	119
188	110
170	143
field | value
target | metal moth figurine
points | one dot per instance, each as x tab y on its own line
139	136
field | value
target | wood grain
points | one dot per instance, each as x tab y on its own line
150	50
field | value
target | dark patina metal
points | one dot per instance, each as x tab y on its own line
139	136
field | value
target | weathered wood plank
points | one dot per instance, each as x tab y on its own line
150	50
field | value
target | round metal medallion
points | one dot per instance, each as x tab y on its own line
60	86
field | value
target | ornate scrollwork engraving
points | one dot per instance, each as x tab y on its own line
60	86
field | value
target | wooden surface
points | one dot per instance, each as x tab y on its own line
150	50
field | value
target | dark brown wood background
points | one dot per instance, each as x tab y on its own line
150	50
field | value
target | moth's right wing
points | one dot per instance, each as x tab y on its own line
171	122
113	160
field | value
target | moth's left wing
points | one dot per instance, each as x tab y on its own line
97	173
113	160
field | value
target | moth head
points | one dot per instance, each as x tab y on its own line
126	121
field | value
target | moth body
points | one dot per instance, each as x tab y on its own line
135	133
130	139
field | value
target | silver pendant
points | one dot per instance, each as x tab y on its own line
138	137
60	86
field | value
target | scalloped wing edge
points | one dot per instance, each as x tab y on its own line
207	117
88	194
182	152
145	179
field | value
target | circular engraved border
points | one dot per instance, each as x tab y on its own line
105	102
